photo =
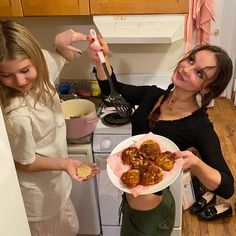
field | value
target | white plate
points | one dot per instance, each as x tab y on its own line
167	181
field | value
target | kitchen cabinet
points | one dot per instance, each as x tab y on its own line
100	7
55	7
43	7
90	7
10	8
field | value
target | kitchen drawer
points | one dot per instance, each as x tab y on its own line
111	231
84	151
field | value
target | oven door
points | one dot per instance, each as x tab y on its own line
109	198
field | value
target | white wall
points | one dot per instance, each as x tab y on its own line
144	59
45	28
225	24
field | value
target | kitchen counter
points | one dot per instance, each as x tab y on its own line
68	89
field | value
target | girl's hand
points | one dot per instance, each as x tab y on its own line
66	38
94	48
189	159
95	170
71	166
63	43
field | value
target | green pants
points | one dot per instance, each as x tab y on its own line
156	222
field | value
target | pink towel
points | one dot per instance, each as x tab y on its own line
198	23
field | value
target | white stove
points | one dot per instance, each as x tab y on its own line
105	137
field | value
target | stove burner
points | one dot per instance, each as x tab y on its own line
114	119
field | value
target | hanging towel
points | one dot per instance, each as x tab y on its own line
198	23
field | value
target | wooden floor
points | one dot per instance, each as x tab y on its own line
223	115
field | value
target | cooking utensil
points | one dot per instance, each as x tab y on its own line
80	117
122	106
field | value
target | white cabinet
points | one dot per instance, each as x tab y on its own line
84	195
13	220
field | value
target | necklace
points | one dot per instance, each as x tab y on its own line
179	104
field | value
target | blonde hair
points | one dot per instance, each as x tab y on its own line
17	43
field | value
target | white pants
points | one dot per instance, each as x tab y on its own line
65	223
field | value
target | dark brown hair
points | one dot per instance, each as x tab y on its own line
217	84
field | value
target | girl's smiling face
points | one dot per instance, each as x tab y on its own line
195	72
19	75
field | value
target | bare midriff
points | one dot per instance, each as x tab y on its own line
143	202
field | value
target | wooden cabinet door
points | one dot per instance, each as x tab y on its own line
111	7
55	7
10	8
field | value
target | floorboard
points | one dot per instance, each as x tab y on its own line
223	116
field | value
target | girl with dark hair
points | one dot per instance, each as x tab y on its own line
178	115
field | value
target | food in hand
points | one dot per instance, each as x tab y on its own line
83	171
129	155
149	149
153	176
131	178
165	161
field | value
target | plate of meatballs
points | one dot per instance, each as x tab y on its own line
143	164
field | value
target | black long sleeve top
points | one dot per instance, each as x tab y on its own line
195	130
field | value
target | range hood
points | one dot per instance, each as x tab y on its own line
140	29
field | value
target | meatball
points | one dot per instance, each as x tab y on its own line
149	149
153	176
141	164
165	161
129	154
131	178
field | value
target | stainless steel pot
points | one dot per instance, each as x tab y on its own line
80	116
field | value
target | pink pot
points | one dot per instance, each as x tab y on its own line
80	116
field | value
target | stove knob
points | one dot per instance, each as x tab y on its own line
106	144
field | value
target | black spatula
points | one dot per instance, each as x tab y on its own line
123	108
